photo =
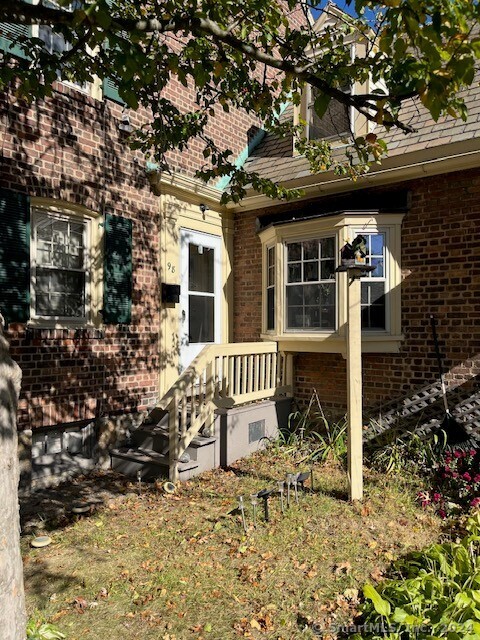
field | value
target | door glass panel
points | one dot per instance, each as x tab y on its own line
201	319
201	268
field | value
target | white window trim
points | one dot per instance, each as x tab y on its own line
94	264
267	286
92	89
343	227
299	330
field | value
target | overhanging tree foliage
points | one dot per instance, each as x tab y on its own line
247	55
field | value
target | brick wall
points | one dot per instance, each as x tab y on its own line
441	268
69	149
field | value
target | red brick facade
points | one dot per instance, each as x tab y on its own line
441	268
69	149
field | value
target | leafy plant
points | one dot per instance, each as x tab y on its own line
407	452
436	594
40	630
455	482
313	437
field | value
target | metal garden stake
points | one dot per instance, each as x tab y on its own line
295	486
281	486
139	478
289	483
254	501
241	506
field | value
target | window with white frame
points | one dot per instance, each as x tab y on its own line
55	43
335	122
373	302
270	288
310	284
60	266
305	299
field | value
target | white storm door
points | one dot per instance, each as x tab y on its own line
200	293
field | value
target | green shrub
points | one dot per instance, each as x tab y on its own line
40	630
435	594
312	437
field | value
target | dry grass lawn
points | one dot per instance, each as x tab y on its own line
176	567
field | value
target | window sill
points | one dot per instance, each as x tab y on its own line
333	343
53	324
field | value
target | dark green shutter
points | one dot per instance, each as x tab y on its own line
117	278
9	35
110	90
14	256
109	87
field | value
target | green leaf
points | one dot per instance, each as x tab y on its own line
321	104
381	606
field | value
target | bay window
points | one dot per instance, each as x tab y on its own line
305	298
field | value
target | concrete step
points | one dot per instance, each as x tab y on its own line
129	461
155	438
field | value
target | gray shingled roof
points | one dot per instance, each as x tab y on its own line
273	158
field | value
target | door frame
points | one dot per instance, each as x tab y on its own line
187	236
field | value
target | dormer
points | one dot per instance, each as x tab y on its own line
339	123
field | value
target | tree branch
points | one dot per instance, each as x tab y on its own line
18	11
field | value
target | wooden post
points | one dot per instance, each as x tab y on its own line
173	445
354	385
209	395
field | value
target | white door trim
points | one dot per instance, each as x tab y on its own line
188	236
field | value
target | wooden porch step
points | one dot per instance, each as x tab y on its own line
130	461
155	438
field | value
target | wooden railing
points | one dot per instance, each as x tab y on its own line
222	375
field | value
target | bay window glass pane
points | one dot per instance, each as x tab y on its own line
294	251
294	272
378	264
201	326
328	269
377	244
373	305
311	306
271	308
310	250
271	257
310	271
311	294
295	295
328	247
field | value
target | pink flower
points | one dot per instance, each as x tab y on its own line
477	478
424	498
442	514
475	502
466	476
437	497
458	454
472	452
